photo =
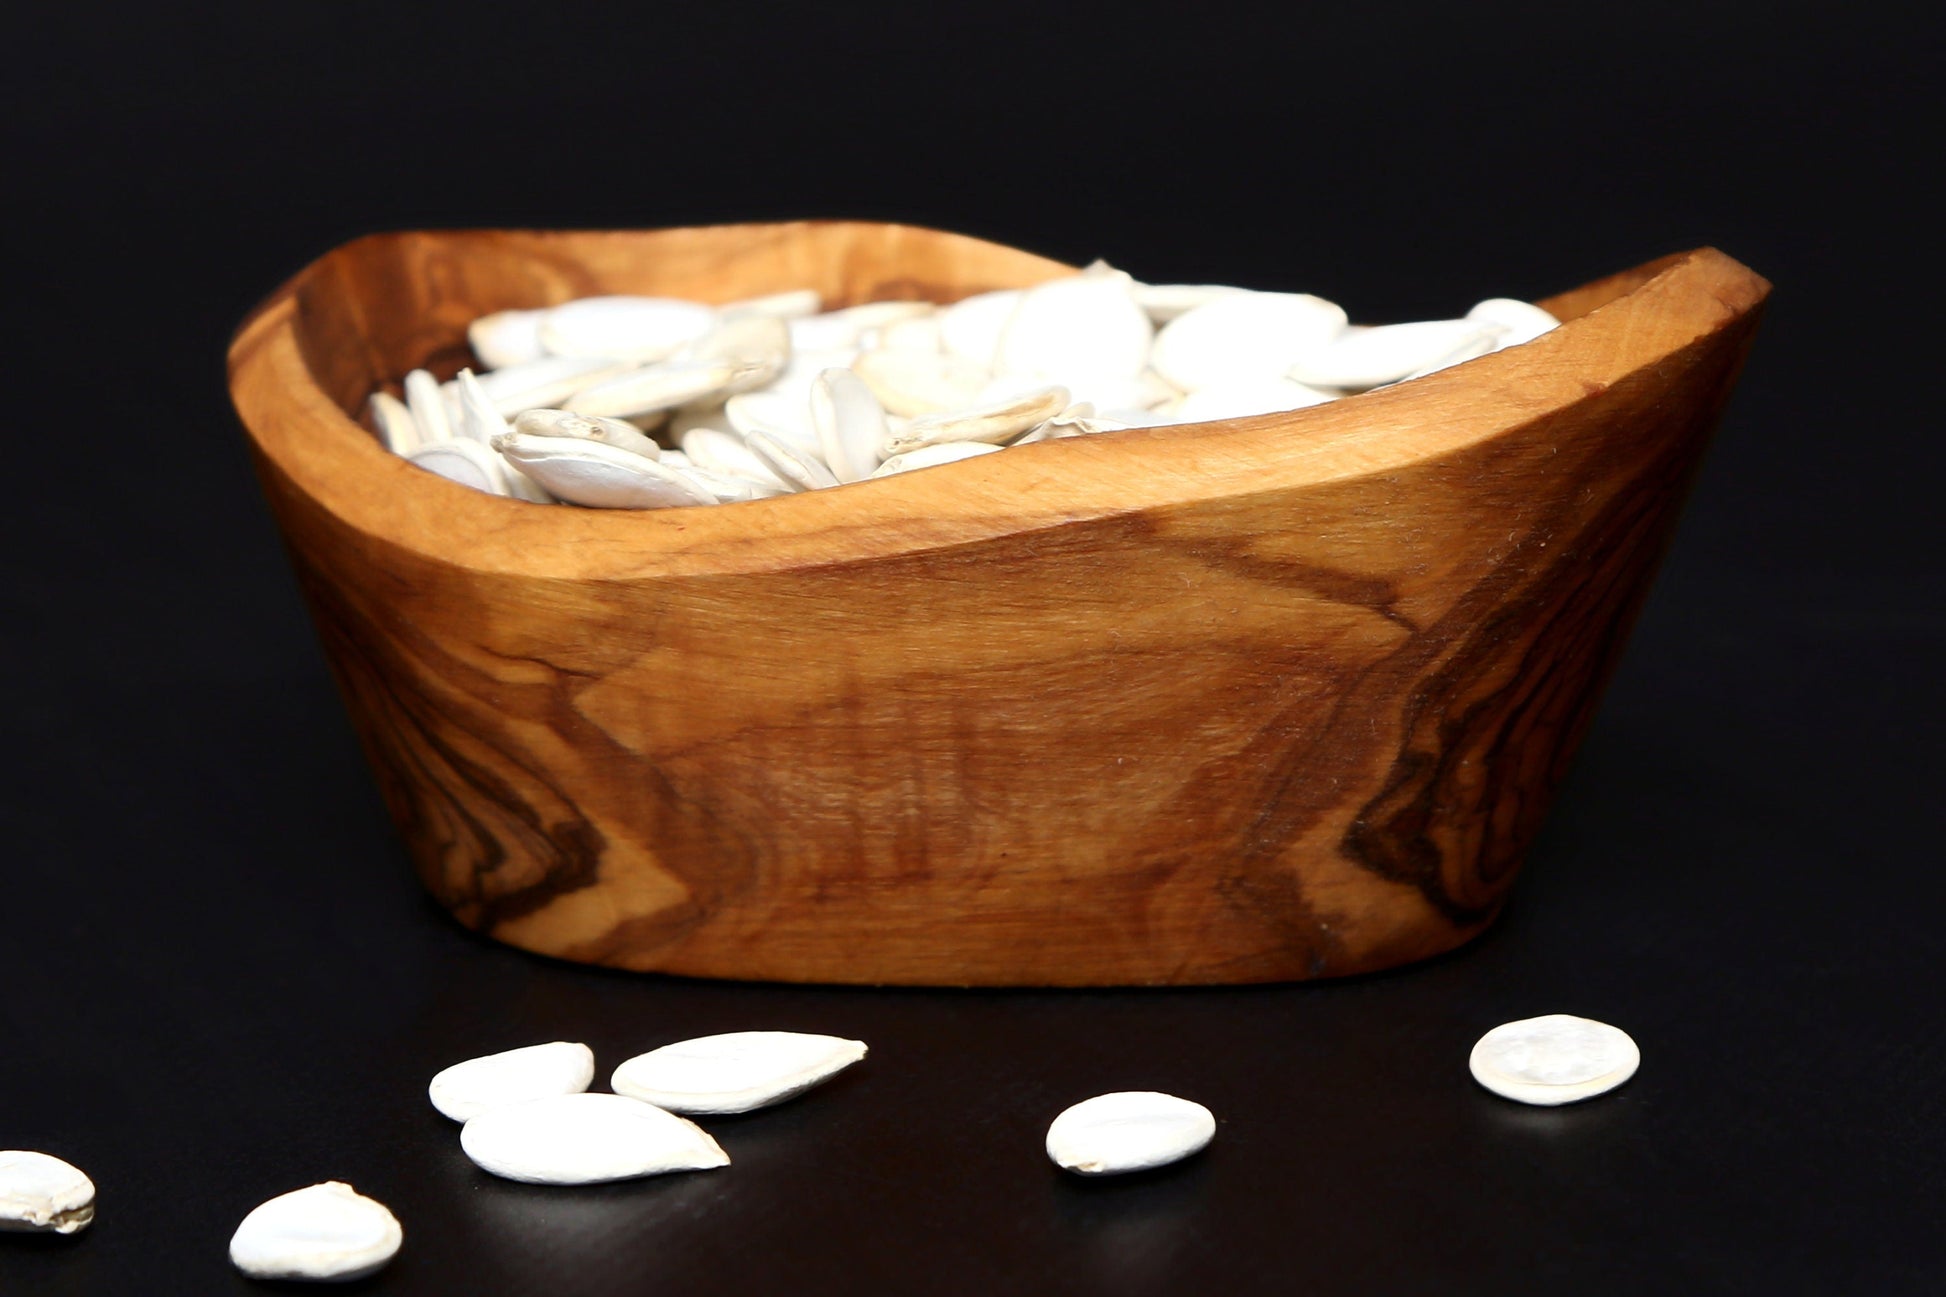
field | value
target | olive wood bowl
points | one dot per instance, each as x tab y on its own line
1259	699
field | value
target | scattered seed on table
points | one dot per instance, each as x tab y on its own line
1132	1130
586	1139
329	1232
1554	1059
734	1072
41	1194
465	1090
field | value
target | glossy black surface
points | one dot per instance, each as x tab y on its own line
221	981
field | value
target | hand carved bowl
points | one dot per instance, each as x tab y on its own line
1266	698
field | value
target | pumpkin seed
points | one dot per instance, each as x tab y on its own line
998	421
661	386
468	1089
1522	321
799	469
592	427
427	406
329	1231
639	329
600	476
1242	337
394	423
546	382
1386	354
932	456
41	1194
1132	1130
586	1139
850	424
734	1072
465	462
1554	1059
506	338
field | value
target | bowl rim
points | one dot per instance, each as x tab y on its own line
1618	325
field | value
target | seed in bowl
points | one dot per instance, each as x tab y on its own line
627	402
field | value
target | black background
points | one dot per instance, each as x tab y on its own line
222	982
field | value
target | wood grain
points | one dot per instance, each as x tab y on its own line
1269	698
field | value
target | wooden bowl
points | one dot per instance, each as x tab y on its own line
1267	698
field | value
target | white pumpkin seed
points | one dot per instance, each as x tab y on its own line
799	469
1557	1058
918	382
915	333
970	328
427	406
786	418
1078	420
1481	347
1164	302
839	329
638	329
830	331
466	1090
546	382
850	424
792	304
728	488
586	1139
1389	352
659	387
1132	1130
1140	418
724	452
481	422
996	422
478	419
794	384
691	417
1243	336
734	1072
506	338
1240	400
394	423
933	456
1522	321
597	475
592	427
759	345
1144	391
41	1194
877	315
465	462
1085	328
329	1231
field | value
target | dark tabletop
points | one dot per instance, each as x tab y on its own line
221	980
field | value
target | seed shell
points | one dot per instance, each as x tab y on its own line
734	1072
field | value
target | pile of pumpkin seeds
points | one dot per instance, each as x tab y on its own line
652	402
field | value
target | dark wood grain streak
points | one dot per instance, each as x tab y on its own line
1270	698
